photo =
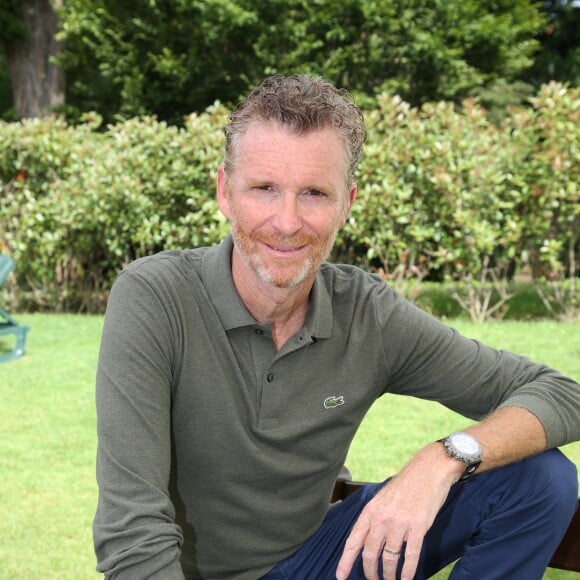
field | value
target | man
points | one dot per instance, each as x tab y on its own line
232	380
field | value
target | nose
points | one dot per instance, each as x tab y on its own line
287	218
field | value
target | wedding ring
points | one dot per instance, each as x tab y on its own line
392	552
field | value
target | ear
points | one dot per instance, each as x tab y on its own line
352	195
222	191
350	200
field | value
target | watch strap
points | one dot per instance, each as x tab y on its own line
470	467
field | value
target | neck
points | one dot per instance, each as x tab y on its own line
284	308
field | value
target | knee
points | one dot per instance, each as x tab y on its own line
558	480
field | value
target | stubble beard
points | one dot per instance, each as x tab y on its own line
245	243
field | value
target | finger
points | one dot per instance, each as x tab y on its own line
352	547
370	559
373	551
391	556
412	554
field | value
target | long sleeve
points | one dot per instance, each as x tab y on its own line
134	529
432	361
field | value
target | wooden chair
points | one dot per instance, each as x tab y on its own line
566	557
9	326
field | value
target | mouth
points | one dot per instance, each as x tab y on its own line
284	250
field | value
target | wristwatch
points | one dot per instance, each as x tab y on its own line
466	448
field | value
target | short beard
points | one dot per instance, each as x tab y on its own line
245	243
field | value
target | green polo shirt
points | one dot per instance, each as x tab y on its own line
217	455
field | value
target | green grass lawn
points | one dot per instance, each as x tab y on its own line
47	437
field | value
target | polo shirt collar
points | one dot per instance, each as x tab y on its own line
217	278
319	319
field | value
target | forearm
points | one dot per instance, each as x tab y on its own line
508	435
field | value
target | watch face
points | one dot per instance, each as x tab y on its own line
465	444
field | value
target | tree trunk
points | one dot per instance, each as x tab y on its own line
37	83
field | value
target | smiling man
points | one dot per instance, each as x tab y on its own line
232	380
286	200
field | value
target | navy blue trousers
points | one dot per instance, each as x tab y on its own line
503	524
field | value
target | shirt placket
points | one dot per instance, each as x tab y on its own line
275	376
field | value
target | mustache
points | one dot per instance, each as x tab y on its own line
281	241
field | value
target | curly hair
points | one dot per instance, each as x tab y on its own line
303	103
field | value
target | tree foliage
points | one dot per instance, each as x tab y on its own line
163	57
422	50
11	24
560	55
172	57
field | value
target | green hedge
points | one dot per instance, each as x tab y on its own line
78	203
443	193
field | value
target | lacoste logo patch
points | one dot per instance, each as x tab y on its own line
332	402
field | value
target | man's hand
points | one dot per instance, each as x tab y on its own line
405	509
402	511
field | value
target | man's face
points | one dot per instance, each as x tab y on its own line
286	199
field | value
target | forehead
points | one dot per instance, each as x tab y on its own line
270	145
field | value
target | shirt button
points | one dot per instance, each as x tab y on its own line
270	377
259	331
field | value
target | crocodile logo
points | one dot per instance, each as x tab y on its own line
332	402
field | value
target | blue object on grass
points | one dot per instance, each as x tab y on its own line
8	325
